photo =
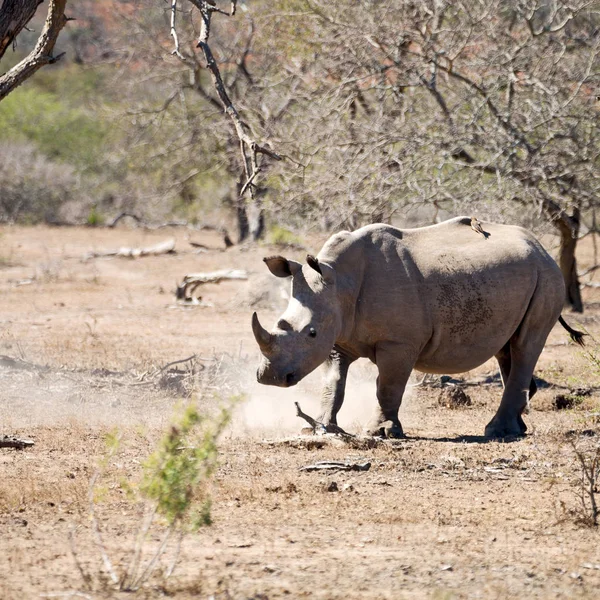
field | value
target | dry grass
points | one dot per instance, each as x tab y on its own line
440	514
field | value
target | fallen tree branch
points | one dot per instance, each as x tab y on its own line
191	282
122	215
329	465
321	427
22	365
316	425
9	441
166	247
177	362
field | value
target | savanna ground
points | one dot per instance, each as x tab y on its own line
442	514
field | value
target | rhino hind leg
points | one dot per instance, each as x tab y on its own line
504	362
517	361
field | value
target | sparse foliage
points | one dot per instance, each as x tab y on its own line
390	110
184	460
174	484
438	107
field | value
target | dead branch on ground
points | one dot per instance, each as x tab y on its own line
166	247
97	533
316	425
330	465
185	290
9	441
19	364
123	215
321	427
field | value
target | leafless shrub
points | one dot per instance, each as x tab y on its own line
32	187
585	481
588	486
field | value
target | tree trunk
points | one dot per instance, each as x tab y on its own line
257	216
242	221
568	262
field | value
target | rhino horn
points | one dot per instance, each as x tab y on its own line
263	337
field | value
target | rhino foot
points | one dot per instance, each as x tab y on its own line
387	429
499	428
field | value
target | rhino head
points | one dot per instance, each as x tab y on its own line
306	332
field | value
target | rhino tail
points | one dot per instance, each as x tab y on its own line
576	336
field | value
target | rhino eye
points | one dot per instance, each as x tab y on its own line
312	332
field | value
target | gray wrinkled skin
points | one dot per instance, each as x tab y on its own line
439	299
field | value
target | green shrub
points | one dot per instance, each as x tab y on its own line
186	457
280	236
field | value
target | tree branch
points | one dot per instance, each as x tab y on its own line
42	53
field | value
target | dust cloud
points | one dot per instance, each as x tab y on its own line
270	411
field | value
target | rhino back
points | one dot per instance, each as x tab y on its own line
441	288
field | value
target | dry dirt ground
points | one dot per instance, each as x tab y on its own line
85	348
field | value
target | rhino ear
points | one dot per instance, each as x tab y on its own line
323	269
313	263
282	267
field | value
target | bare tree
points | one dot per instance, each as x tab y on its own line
14	17
487	107
198	71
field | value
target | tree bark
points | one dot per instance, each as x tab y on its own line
568	262
42	53
14	15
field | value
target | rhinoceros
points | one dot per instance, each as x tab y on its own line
439	299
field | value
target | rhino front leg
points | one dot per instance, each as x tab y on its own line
395	364
334	391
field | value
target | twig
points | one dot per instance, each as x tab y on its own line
85	576
173	564
150	566
122	215
133	567
66	595
177	362
590	476
97	535
176	51
249	182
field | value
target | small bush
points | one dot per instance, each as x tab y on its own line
280	236
174	484
32	187
94	218
174	475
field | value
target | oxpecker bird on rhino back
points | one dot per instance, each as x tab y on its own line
439	299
